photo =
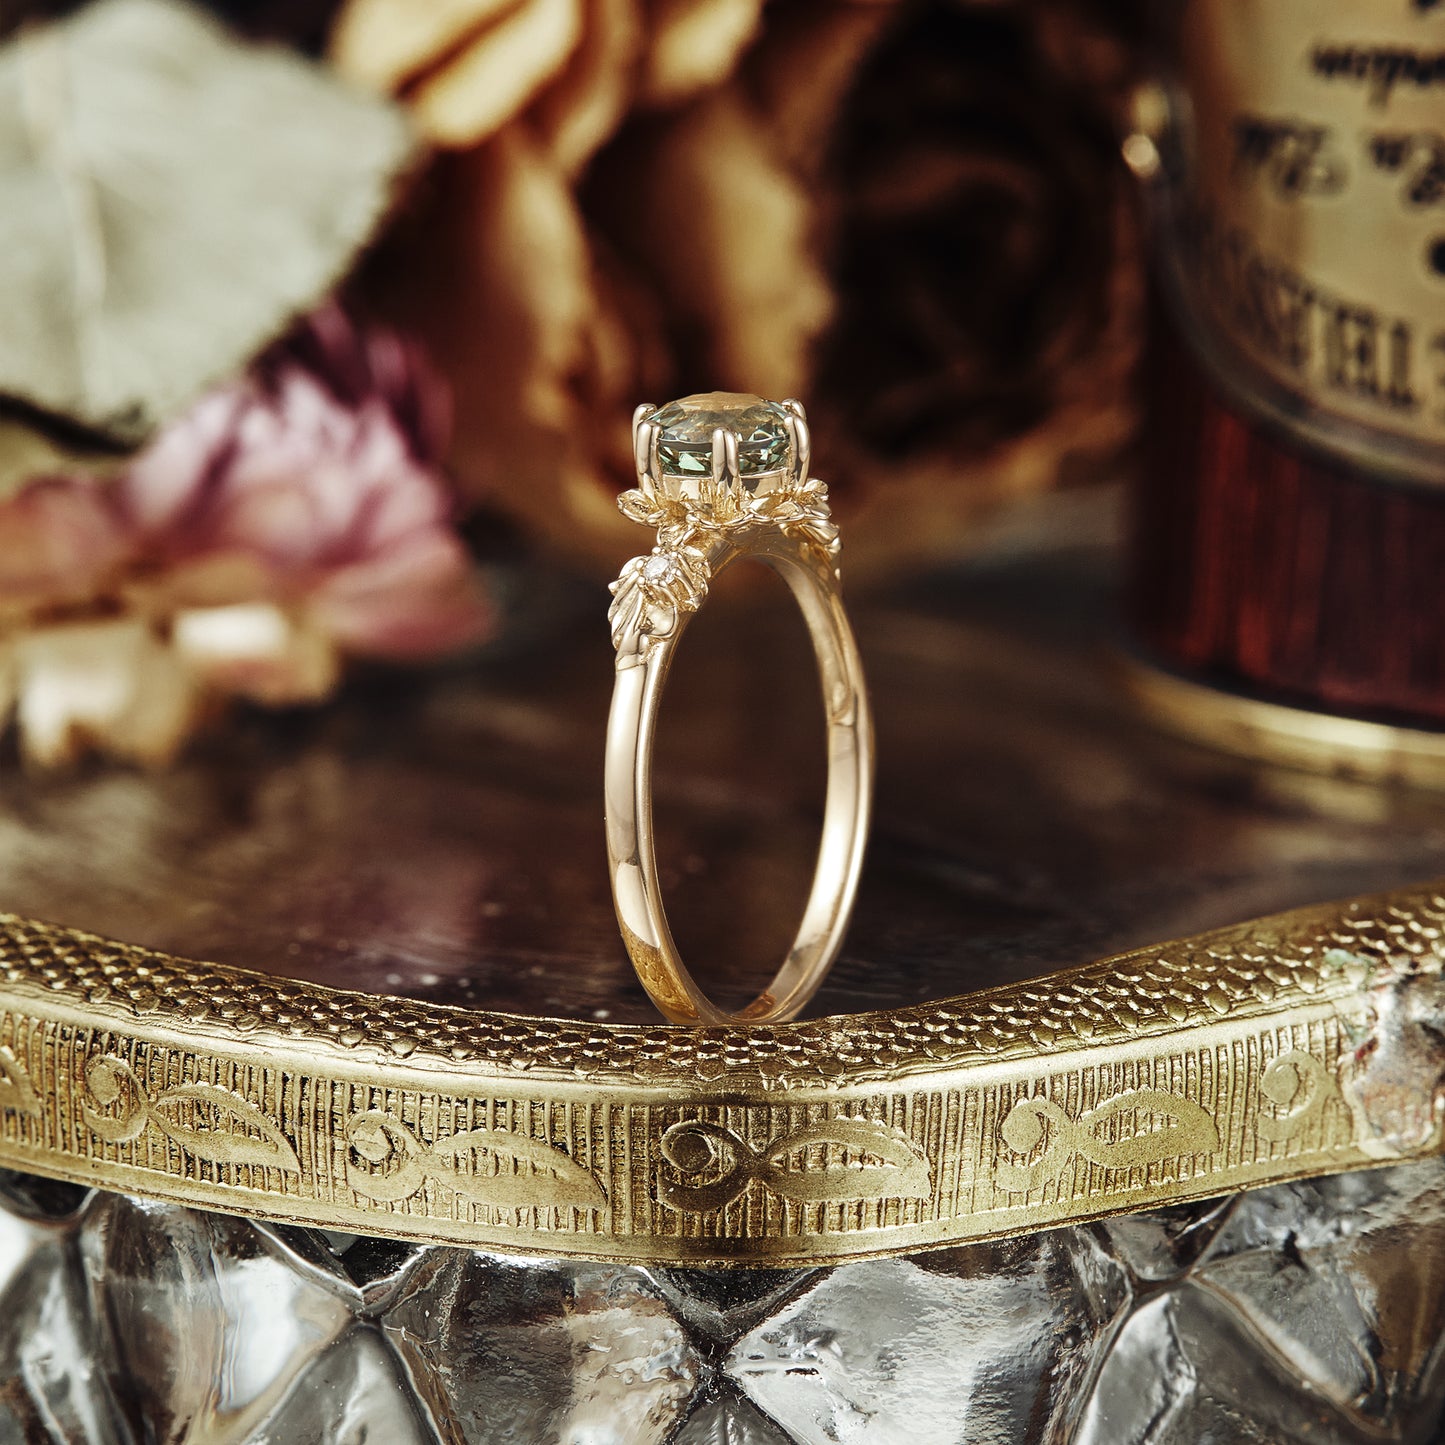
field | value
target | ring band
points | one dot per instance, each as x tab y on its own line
722	476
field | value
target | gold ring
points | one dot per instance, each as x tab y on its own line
724	475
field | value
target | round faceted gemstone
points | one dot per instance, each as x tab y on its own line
685	447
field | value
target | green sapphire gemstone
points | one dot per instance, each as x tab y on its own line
685	447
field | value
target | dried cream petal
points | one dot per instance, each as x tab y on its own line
540	261
257	650
383	43
696	43
493	78
113	686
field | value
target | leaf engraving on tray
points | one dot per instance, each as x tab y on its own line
834	1162
214	1124
1121	1133
206	1120
486	1166
17	1093
170	198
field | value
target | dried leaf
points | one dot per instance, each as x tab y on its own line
491	81
805	73
581	110
739	260
169	199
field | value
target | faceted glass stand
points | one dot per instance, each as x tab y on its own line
1304	1314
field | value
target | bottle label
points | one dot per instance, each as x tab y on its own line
1312	219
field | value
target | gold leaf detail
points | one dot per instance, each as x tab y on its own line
804	513
206	1120
713	1165
1189	1129
396	1164
651	592
17	1093
639	506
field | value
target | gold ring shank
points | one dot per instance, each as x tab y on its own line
641	676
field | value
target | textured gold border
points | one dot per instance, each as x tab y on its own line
1167	1074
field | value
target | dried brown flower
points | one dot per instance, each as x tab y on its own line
910	215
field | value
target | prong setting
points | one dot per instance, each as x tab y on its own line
720	469
732	462
645	434
800	442
719	461
727	481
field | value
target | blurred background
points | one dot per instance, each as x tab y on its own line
314	313
321	326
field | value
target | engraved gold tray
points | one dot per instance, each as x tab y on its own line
444	850
1163	1075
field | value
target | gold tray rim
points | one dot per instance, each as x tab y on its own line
1164	1074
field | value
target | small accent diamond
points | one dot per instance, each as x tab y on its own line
660	569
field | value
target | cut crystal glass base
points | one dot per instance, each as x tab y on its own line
1305	1314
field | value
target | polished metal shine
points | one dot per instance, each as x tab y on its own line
705	522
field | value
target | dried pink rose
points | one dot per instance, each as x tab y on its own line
313	483
291	518
61	541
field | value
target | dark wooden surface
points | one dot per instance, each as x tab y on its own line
441	836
